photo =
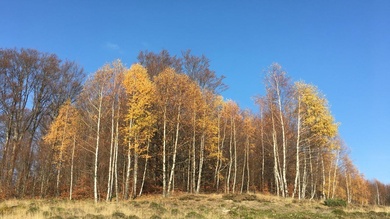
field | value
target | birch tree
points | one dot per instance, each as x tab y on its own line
279	88
316	131
94	105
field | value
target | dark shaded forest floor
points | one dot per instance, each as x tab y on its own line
187	206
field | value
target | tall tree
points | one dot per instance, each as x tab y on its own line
316	127
198	69
155	63
94	105
174	103
61	136
32	84
140	93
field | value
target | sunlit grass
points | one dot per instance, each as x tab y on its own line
187	206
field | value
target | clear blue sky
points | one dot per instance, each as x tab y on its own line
343	47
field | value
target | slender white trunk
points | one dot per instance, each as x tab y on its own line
95	176
128	169
146	167
189	169
347	187
201	159
135	171
116	149
304	178
312	182
335	174
59	166
235	156
377	193
216	180
243	172
164	151
221	155
323	177
284	143
297	176
230	156
247	166
193	156
174	151
110	164
330	178
262	151
275	150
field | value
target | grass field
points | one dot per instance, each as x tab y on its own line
187	206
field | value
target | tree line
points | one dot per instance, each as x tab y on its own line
161	126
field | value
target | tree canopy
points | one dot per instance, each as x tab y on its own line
162	125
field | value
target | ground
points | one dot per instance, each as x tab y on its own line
187	206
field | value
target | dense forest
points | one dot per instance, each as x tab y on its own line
161	126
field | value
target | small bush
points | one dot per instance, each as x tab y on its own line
155	217
335	203
55	217
77	211
6	210
136	204
33	209
118	214
175	211
239	197
191	197
91	216
133	217
158	208
193	214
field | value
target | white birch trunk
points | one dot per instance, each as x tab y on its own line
297	173
304	177
116	151
95	176
110	164
230	156
201	159
164	152
235	156
275	150
323	177
146	167
193	156
174	150
128	169
335	174
135	172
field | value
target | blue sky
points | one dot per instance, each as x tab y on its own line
343	47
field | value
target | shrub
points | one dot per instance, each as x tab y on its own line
175	211
239	197
33	209
158	208
118	214
335	203
193	214
338	212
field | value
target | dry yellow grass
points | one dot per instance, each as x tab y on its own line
186	206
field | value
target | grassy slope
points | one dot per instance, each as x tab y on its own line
187	206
